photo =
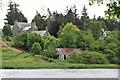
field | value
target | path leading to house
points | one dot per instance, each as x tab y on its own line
4	45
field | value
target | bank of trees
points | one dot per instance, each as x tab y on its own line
70	31
101	51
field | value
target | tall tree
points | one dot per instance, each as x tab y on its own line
84	18
96	28
68	36
84	13
14	14
54	21
40	21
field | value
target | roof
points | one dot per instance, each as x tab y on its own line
26	28
23	24
40	32
67	51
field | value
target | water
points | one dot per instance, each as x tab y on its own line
59	73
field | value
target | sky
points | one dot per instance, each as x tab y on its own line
29	7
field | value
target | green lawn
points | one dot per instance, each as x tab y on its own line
13	60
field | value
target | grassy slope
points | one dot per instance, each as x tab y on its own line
13	60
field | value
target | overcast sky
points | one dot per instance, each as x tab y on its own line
29	7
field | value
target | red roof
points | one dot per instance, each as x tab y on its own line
67	51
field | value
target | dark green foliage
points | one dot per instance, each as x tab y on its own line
14	14
36	48
111	56
84	13
34	37
20	41
56	19
74	58
93	58
8	38
96	29
40	21
84	18
7	30
112	24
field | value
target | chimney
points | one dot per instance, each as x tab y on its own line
15	22
46	29
33	24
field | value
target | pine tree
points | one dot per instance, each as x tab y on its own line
84	13
84	18
14	14
40	21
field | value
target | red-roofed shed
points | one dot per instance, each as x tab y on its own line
65	52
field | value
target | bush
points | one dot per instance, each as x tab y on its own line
111	56
93	58
8	38
36	48
74	58
7	30
34	37
20	40
51	53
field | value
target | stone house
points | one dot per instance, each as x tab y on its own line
22	27
65	52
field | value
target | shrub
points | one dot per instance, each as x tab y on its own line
7	30
74	58
8	38
34	37
36	48
20	40
111	56
93	58
50	52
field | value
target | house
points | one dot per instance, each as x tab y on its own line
65	52
22	27
42	32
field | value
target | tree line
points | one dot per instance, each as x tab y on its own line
53	20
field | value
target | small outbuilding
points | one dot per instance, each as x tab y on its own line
65	52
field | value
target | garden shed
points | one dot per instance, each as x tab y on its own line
65	52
